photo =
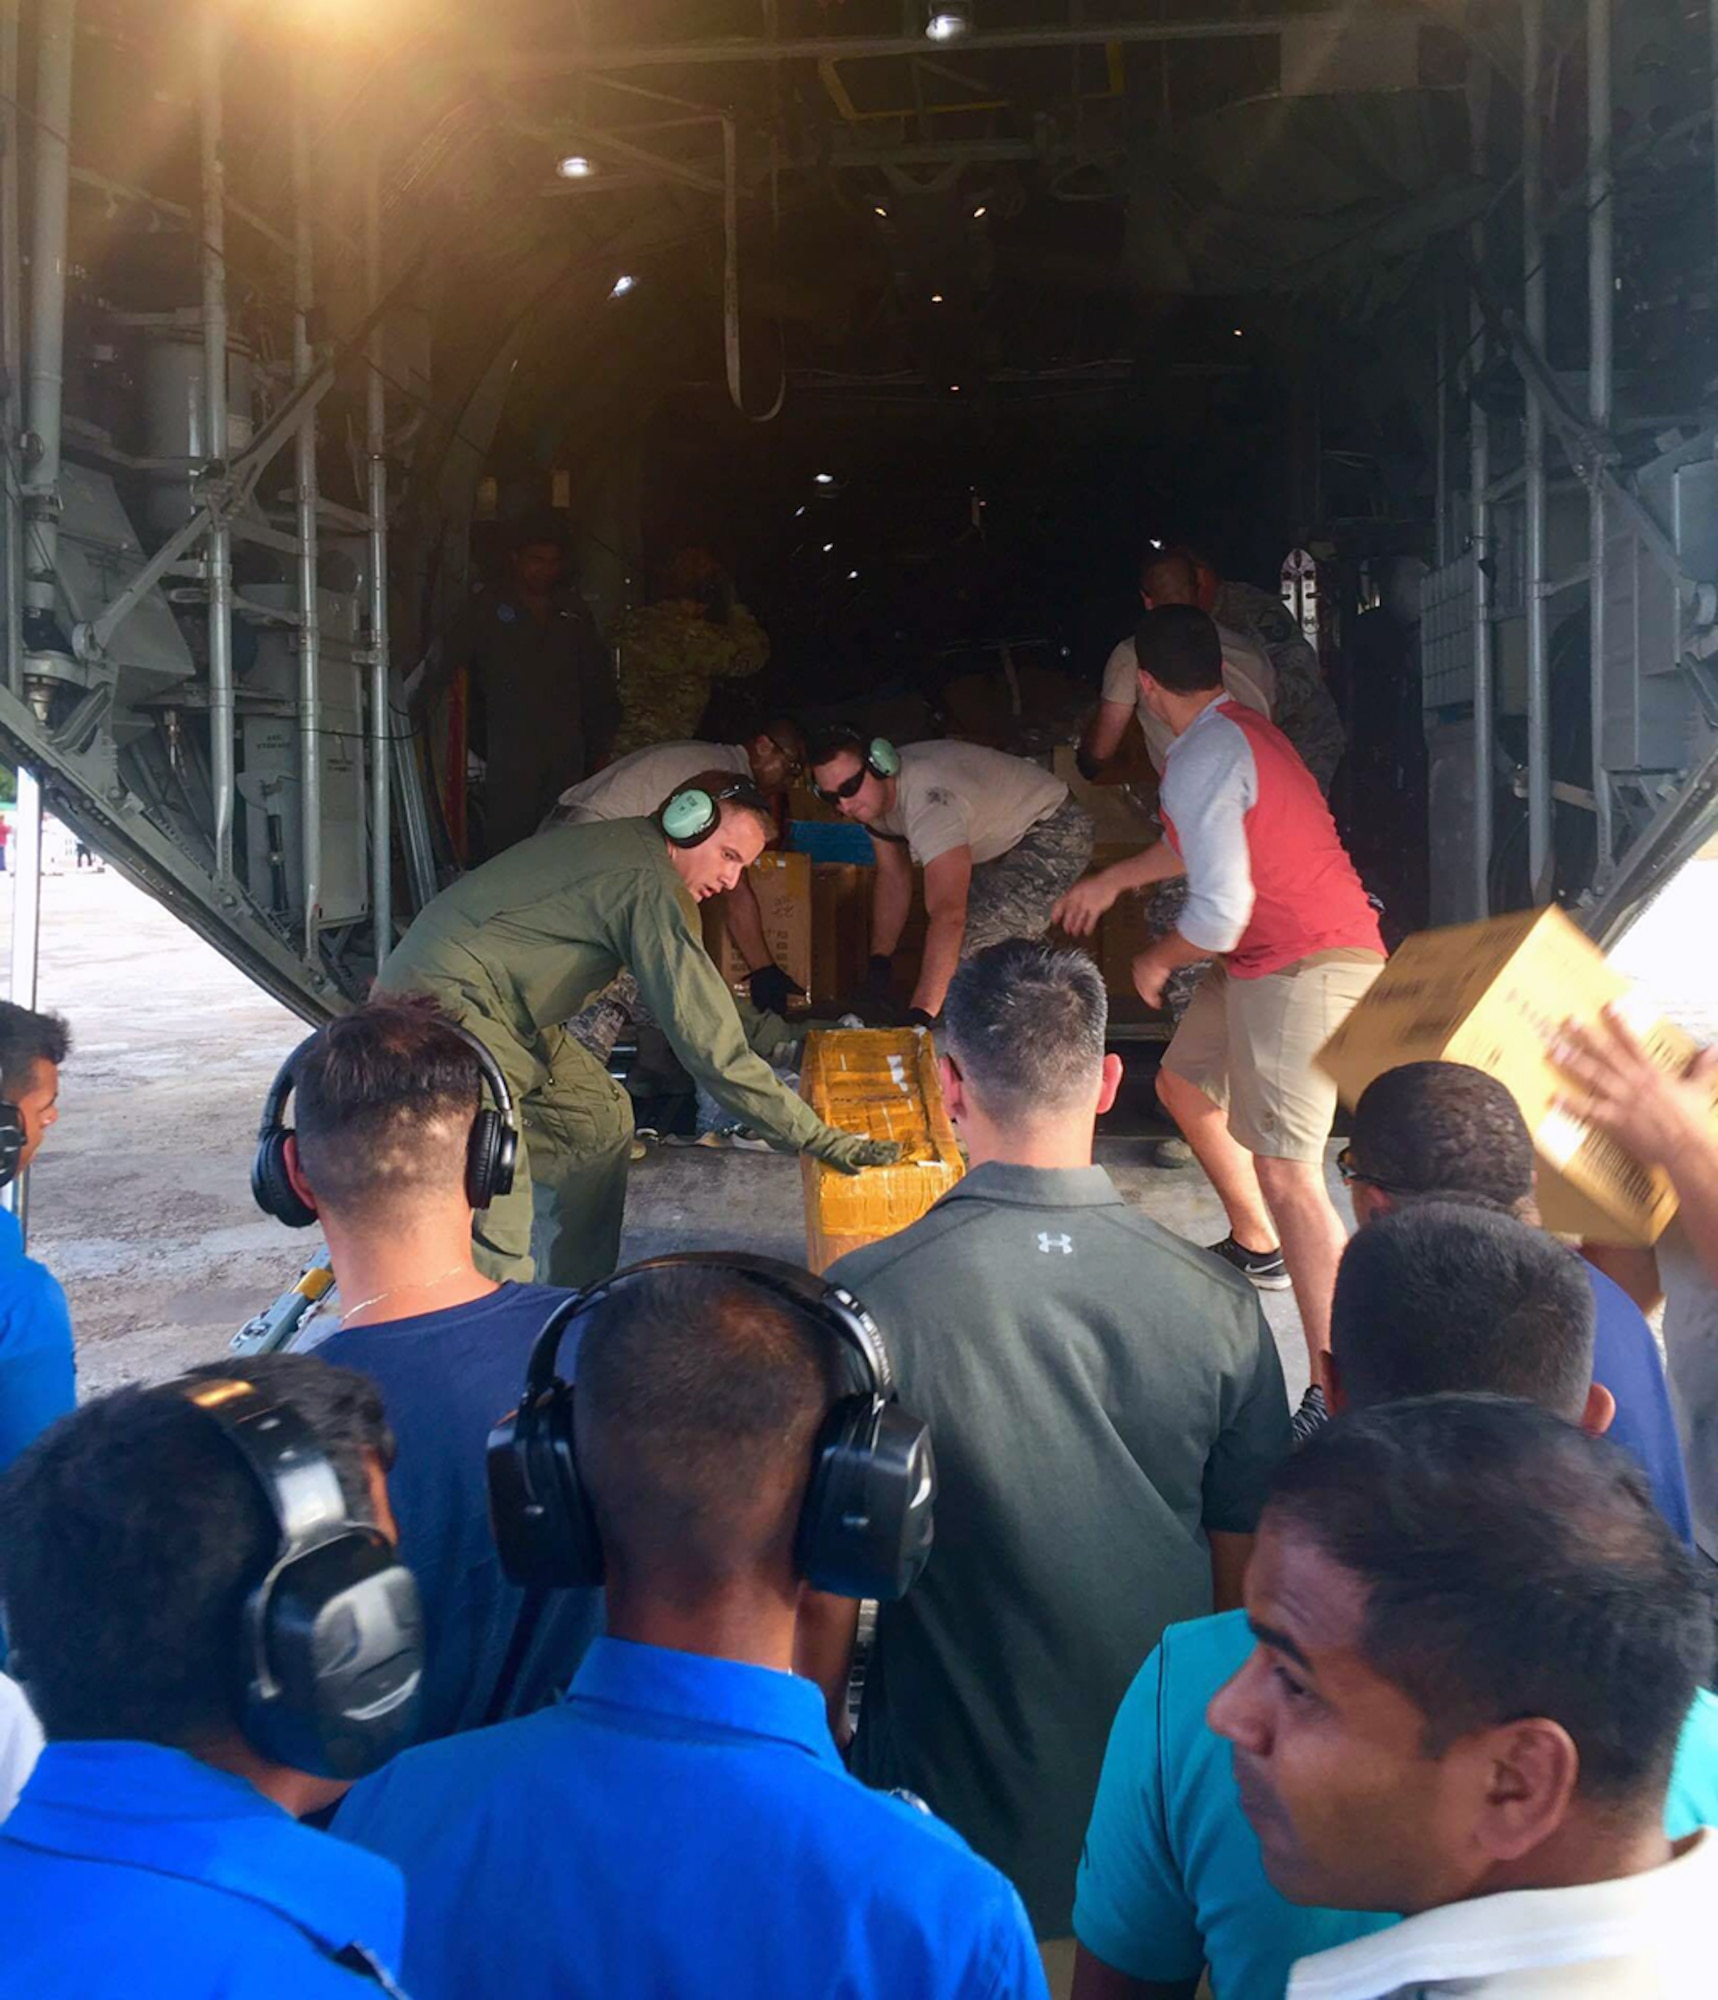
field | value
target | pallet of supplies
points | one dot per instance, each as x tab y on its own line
1495	995
782	885
882	1082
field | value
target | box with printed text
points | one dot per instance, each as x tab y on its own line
1495	995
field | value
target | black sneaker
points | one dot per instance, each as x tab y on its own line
1311	1417
1264	1267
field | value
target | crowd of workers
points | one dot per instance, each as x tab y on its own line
510	1642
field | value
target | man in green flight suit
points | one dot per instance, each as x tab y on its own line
516	948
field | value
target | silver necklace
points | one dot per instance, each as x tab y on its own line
417	1285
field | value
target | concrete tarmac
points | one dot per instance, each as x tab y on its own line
141	1204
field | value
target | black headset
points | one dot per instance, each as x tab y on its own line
331	1650
689	816
12	1142
489	1158
865	1524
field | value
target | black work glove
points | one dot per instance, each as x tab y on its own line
1087	765
916	1017
877	976
771	989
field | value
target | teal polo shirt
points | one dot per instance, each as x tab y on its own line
1172	1880
1102	1395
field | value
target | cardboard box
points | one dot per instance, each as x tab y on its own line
1495	995
883	1082
782	885
840	928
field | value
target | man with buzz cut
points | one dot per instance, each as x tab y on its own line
681	1824
1438	1301
1107	1404
999	839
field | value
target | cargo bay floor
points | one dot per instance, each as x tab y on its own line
141	1202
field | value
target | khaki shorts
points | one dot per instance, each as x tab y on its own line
1249	1045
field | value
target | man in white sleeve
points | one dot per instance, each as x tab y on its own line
999	839
1271	893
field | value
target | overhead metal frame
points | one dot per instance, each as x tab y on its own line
39	659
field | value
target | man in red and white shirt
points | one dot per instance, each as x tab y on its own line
1272	894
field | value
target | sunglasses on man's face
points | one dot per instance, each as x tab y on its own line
847	789
1351	1172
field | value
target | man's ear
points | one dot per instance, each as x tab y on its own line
954	1088
1335	1396
1110	1083
1369	1202
295	1172
1601	1411
1526	1774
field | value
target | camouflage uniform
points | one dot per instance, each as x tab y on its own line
1164	902
1302	706
669	655
1013	895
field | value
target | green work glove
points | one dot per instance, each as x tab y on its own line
852	1152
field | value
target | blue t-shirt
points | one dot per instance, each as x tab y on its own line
129	1871
1171	1878
1627	1361
38	1378
445	1378
680	1825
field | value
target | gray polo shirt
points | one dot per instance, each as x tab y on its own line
1100	1393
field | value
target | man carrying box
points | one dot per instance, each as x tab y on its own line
999	840
1273	895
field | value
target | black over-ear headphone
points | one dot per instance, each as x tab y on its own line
489	1159
331	1646
865	1525
12	1138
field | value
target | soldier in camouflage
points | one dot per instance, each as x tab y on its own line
672	651
1301	706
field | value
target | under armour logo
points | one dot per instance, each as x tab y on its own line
1047	1243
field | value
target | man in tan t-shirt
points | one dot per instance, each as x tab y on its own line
999	839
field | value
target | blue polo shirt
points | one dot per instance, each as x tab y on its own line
129	1871
679	1825
445	1378
37	1376
1171	1878
1627	1361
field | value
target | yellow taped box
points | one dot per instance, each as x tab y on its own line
1495	995
882	1082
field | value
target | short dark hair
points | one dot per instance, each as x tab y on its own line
1513	1566
1025	1022
784	731
699	1395
28	1038
383	1103
833	742
130	1534
1443	1129
1448	1297
1177	645
1176	572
